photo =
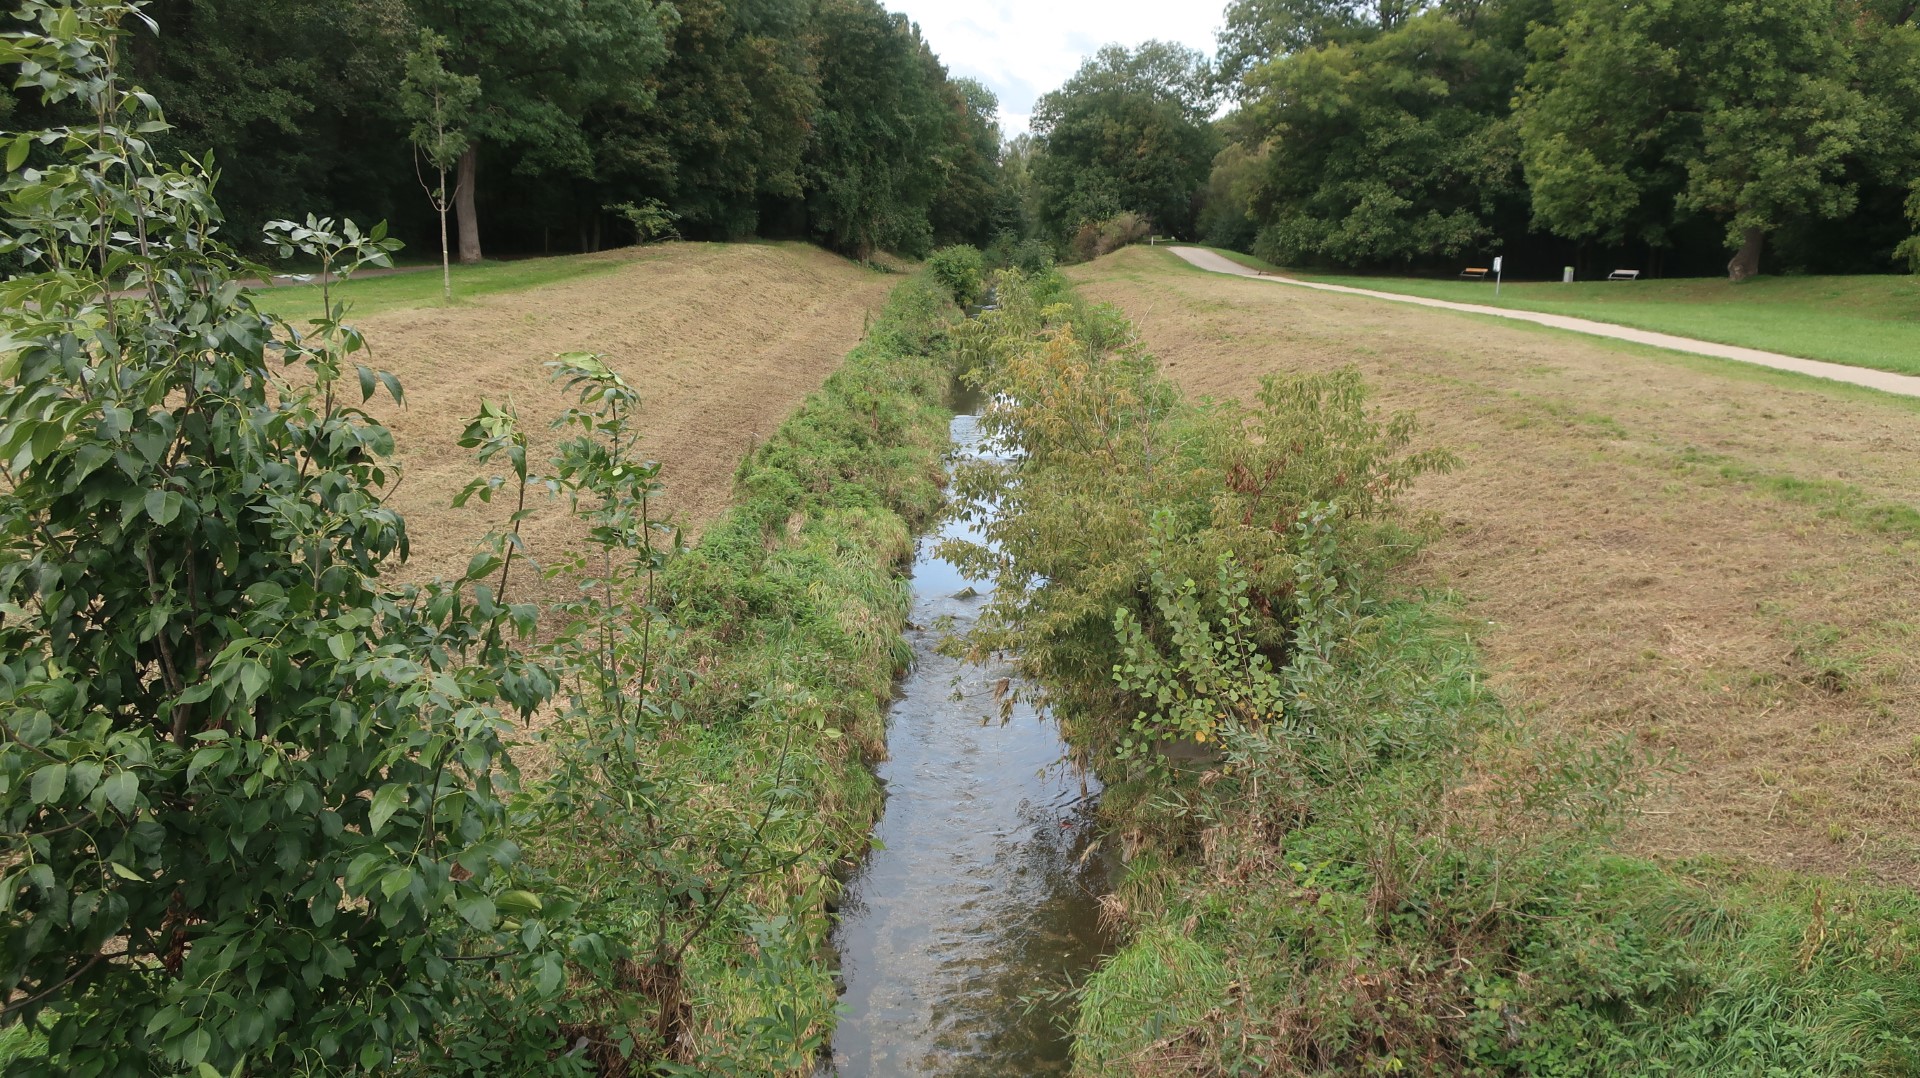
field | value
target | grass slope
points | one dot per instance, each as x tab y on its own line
419	287
1863	321
1386	870
788	616
1713	557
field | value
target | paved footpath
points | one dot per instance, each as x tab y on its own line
1905	385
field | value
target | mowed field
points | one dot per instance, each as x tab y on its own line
1720	560
723	341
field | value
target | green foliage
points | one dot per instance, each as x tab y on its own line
875	167
1261	31
1910	248
1128	133
1226	209
1096	238
651	221
711	769
727	123
544	68
440	104
1340	855
974	203
295	100
1751	115
1117	484
254	794
961	270
740	116
1397	132
1396	147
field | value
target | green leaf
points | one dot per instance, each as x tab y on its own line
477	911
121	789
388	800
123	871
520	902
367	384
49	784
396	881
17	153
164	505
198	1045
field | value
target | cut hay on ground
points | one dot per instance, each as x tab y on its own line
1719	560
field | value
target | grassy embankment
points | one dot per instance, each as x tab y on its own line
418	286
785	636
1860	321
1710	556
1379	870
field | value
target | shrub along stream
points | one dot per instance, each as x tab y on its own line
1342	856
714	770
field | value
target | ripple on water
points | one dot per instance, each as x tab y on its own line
980	899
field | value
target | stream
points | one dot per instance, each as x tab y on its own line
979	905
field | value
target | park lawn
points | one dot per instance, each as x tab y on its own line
419	286
1861	321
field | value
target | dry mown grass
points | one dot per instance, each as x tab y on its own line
1680	548
723	342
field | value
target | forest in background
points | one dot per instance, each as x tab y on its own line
1402	134
829	120
1372	134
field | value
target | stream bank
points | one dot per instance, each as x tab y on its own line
979	902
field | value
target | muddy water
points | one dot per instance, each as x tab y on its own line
980	905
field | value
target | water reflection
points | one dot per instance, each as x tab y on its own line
981	904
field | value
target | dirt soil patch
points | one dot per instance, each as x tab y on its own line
723	342
1719	560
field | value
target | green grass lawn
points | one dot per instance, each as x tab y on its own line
403	291
1865	321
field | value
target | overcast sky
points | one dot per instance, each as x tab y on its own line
1024	48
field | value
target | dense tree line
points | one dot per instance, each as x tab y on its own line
822	119
1399	133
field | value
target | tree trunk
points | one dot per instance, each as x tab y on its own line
1746	261
463	199
446	270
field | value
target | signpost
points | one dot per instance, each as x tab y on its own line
1497	260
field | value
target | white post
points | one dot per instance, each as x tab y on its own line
1497	262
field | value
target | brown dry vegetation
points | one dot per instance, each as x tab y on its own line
723	342
1718	559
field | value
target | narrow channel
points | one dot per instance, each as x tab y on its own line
956	935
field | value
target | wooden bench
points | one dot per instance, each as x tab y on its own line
1474	273
1624	275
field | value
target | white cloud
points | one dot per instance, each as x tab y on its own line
1021	50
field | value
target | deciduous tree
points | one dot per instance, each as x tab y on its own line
1129	132
1383	150
440	104
543	66
1634	115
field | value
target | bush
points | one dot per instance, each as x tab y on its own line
254	794
1097	238
962	270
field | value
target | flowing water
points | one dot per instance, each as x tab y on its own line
980	905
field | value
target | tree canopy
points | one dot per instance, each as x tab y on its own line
1665	134
1129	133
826	119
